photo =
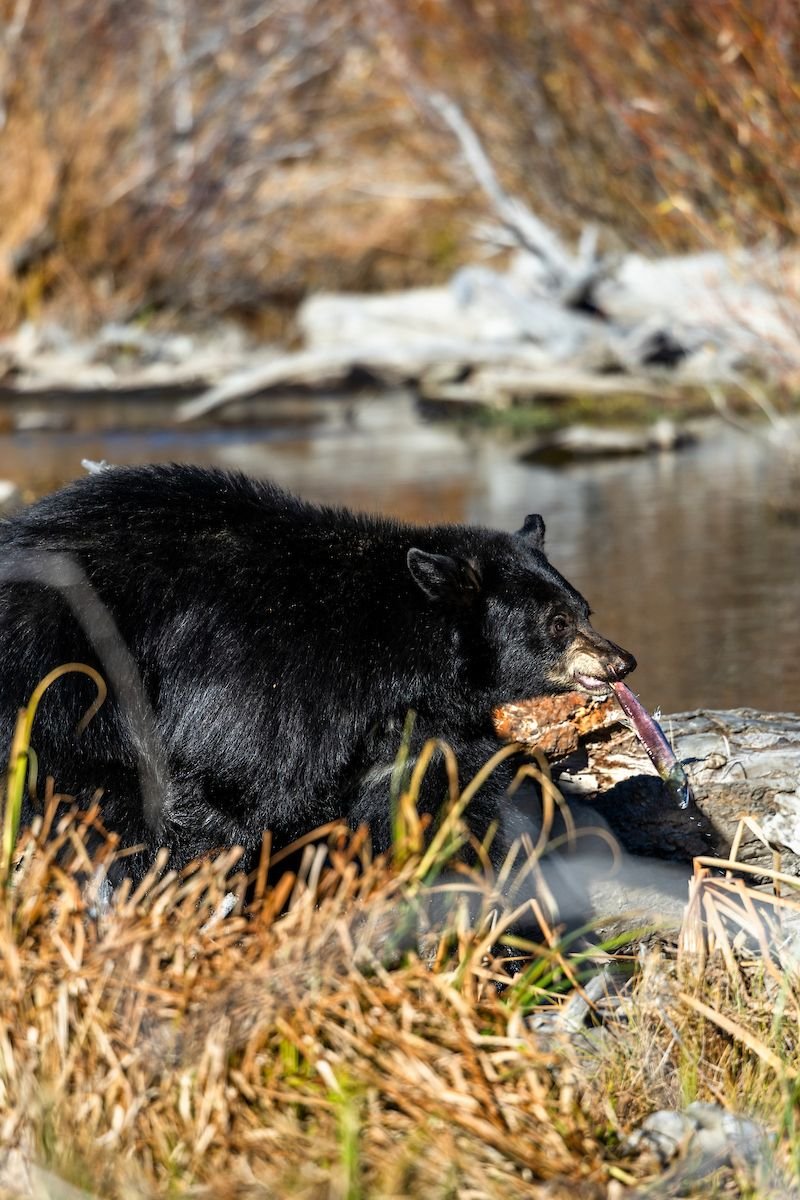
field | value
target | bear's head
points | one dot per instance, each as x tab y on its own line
525	625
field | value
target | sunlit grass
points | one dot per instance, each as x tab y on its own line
322	1040
22	761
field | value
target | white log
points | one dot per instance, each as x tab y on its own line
488	383
570	279
391	361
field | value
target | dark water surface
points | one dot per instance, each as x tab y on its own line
681	556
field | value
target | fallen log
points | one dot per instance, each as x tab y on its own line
741	764
577	442
501	385
391	361
698	321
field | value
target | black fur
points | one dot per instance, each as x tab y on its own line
281	646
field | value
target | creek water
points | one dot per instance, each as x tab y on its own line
684	557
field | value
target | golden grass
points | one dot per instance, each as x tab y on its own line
311	162
344	1030
162	1045
325	1044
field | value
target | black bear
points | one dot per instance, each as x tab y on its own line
263	653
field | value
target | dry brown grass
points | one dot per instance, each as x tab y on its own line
343	1028
160	1045
232	156
304	1048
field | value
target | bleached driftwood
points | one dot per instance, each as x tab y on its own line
740	763
552	313
570	278
39	358
390	362
555	320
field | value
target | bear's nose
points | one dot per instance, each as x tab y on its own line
620	664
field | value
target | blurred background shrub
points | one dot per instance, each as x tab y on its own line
229	157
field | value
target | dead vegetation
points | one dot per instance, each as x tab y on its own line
163	1044
326	1043
235	157
341	1027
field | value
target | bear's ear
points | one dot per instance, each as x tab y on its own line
532	532
443	578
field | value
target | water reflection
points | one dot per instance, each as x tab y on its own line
681	556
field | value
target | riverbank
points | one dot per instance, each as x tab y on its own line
155	1044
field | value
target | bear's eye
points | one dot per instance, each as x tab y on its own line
559	624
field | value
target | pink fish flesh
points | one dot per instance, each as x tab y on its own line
659	751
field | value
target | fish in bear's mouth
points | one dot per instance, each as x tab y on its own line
616	664
647	730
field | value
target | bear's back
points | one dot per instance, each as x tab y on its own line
134	527
162	504
178	552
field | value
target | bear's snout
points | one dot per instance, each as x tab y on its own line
619	663
593	663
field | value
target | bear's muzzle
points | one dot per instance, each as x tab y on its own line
592	663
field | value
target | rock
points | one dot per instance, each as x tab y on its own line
703	1138
589	441
40	420
601	998
10	496
691	1146
664	1133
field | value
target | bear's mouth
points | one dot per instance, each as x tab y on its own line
592	684
594	665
